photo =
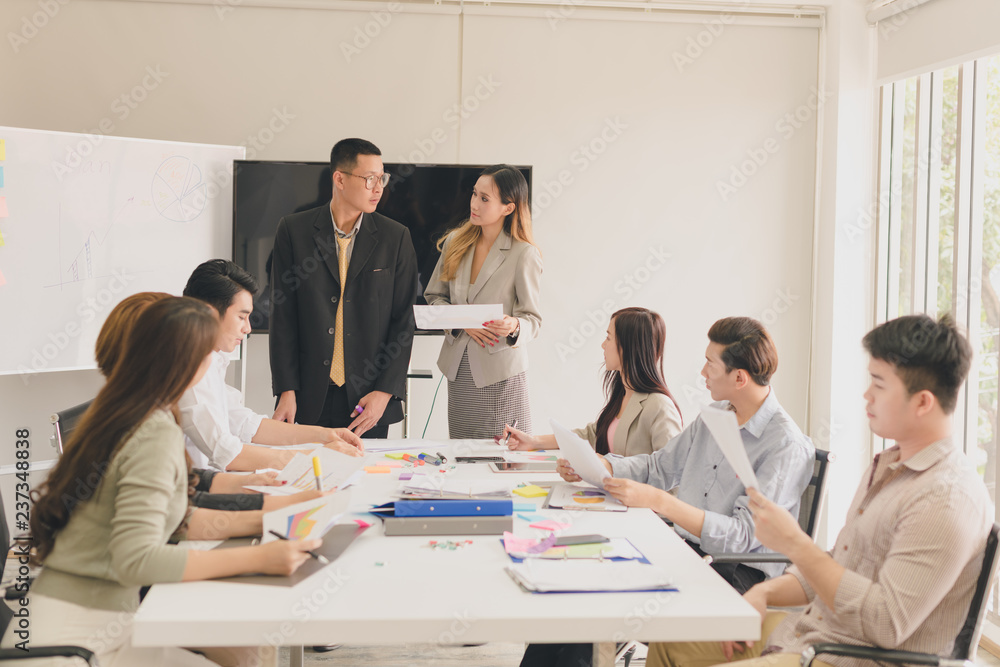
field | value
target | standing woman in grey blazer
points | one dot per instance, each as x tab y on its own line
490	258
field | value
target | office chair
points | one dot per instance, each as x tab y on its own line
6	615
966	643
64	421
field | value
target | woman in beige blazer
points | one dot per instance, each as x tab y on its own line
640	415
490	258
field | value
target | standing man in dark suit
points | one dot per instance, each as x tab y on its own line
344	285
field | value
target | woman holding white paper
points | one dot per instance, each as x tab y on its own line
640	414
102	518
491	258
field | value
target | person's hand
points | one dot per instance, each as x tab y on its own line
518	439
260	479
283	557
503	327
632	493
482	337
285	410
566	472
339	445
278	502
758	598
349	437
775	527
730	648
374	405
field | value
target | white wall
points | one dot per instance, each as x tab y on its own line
537	91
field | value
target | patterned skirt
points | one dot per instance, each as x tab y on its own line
482	412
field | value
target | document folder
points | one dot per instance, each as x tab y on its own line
447	525
454	507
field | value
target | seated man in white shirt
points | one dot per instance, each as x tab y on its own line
216	423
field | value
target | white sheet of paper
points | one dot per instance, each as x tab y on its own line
428	484
388	445
725	430
308	520
465	316
581	456
336	469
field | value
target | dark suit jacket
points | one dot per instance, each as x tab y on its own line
378	310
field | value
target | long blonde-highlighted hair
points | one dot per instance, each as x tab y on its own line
513	189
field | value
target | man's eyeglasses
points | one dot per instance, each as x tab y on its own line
370	181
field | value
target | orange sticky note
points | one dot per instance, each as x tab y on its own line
3	281
377	468
3	207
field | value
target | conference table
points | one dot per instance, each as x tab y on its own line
401	590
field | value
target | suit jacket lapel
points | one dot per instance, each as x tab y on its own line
494	259
462	278
631	413
326	240
364	246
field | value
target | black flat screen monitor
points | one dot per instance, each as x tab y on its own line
429	199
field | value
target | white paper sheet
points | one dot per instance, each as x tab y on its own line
308	520
548	576
725	430
387	445
449	487
466	316
336	467
581	456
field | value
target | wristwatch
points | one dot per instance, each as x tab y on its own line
516	331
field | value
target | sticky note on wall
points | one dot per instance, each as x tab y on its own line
3	150
2	244
1	177
3	281
3	207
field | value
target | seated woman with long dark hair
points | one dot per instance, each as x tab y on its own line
640	414
101	521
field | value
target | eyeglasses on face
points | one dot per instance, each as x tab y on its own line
371	180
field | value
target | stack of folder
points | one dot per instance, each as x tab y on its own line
443	516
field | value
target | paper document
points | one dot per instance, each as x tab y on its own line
725	430
558	576
298	474
578	497
309	520
581	456
427	486
469	316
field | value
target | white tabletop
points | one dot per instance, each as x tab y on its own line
394	590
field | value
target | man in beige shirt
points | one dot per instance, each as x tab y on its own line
902	572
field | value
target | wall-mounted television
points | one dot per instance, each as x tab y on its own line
430	199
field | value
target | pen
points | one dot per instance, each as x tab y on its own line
319	474
320	557
444	459
507	437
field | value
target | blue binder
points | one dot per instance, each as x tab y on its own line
427	507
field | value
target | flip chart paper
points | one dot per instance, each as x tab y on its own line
725	430
470	316
582	458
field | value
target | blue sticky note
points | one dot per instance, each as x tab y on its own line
532	517
1	177
524	507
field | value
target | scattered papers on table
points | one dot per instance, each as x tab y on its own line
725	430
578	497
399	445
308	520
582	576
450	316
440	486
300	477
581	456
531	491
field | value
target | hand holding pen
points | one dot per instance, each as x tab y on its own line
320	557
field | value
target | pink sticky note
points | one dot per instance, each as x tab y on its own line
3	207
529	545
376	469
3	281
390	464
549	524
363	524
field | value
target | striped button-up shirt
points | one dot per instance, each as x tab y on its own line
912	547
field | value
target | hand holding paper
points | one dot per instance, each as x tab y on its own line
725	430
465	316
585	461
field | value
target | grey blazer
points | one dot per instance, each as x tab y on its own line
648	423
511	276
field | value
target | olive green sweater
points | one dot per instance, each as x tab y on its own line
116	542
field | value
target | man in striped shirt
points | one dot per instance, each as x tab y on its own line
902	572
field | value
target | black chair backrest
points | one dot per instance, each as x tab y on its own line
64	421
815	493
5	612
968	637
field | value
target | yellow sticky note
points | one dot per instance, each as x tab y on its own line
3	207
3	150
377	468
531	491
2	244
398	456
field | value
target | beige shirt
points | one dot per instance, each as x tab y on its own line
913	548
117	541
648	422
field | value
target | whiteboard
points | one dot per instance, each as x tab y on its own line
87	220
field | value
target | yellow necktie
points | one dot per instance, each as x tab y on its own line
337	365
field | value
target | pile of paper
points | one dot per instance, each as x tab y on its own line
588	576
427	486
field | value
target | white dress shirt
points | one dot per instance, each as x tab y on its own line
216	423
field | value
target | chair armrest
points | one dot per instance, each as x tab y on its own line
736	557
49	652
877	654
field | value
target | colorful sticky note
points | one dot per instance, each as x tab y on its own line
363	524
395	455
1	177
377	468
549	524
2	244
391	464
531	491
531	516
3	150
524	507
3	281
3	207
403	476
